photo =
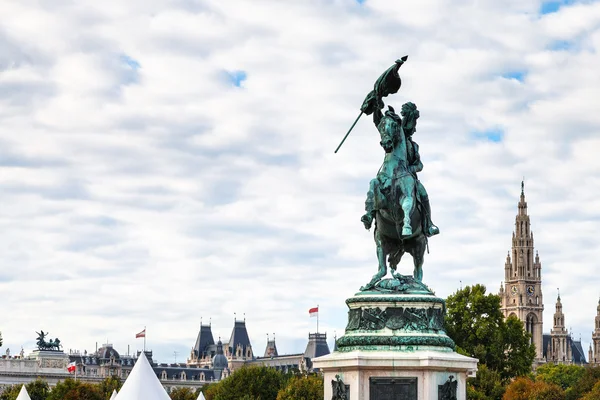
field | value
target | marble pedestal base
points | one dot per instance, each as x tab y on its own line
430	368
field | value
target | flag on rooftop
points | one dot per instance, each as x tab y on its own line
313	312
141	334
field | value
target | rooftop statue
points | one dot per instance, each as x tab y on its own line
397	201
50	345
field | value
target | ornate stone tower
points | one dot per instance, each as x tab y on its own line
521	294
595	356
560	349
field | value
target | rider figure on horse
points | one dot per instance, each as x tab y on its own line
409	114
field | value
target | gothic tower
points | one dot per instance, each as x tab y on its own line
521	295
560	349
595	356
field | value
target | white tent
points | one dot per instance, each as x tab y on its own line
201	397
23	395
113	396
142	383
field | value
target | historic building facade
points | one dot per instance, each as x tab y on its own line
521	296
208	362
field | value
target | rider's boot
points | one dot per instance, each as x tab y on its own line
431	229
367	219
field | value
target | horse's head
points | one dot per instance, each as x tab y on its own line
389	130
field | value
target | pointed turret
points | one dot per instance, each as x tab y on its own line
561	340
522	291
271	349
595	359
203	341
239	342
317	345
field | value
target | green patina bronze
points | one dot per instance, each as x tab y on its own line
52	345
396	200
399	313
387	343
411	319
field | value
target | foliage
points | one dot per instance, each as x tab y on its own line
524	388
252	382
590	377
109	384
476	324
594	394
308	387
38	389
565	376
69	389
487	385
183	394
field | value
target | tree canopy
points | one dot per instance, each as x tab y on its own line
476	324
309	387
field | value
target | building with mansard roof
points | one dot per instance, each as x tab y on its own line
208	362
521	296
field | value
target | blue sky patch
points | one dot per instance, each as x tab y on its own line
561	45
518	75
491	135
237	77
130	62
361	1
549	7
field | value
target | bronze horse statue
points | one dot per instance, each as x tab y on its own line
392	200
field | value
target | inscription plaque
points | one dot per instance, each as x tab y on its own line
390	388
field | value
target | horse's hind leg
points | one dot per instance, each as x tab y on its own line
418	254
381	258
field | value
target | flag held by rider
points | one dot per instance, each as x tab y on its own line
388	83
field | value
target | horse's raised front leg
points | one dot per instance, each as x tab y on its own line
381	257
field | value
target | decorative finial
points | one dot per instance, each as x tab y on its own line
558	290
210	321
523	187
267	337
273	336
244	317
234	317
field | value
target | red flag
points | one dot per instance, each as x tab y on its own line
71	367
313	311
141	334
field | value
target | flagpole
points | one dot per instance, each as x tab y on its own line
144	341
317	318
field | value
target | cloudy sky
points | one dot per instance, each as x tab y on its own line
163	161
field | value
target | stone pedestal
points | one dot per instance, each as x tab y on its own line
431	369
395	347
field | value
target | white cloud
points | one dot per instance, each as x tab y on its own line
157	194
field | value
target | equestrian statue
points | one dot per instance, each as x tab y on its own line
397	202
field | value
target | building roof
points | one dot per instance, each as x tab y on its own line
239	336
203	341
271	349
317	345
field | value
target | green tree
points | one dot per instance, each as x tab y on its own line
585	384
308	387
108	385
69	389
252	382
38	389
487	385
476	324
565	376
183	394
594	394
10	392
